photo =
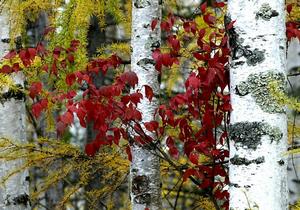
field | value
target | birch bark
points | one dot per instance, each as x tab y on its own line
258	132
145	167
15	194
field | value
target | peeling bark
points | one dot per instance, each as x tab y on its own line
15	194
258	137
145	166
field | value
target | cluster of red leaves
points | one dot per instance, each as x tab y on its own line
292	26
205	104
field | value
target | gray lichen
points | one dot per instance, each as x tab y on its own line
249	134
257	85
141	3
266	12
254	57
236	160
140	188
145	61
234	185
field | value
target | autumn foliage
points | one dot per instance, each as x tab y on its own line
200	114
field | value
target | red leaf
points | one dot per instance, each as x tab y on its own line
174	42
192	81
130	78
203	7
153	24
35	89
81	113
36	109
10	55
230	25
54	69
134	98
210	77
137	115
148	92
44	103
75	43
32	53
40	49
156	54
70	79
151	126
205	183
117	136
172	148
71	58
16	67
90	149
289	8
189	172
23	56
209	19
219	4
194	158
6	69
192	172
170	142
67	118
174	152
186	27
202	33
128	151
56	52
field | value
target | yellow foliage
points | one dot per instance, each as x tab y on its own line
295	206
282	98
6	82
120	48
47	153
293	130
295	13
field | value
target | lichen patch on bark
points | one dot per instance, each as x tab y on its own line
257	86
254	57
249	134
266	12
141	3
236	160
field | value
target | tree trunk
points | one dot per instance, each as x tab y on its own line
258	131
14	195
293	63
144	173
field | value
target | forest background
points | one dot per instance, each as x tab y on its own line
68	87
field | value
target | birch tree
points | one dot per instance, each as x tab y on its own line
14	194
144	172
258	133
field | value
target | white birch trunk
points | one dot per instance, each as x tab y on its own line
15	194
145	168
258	131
